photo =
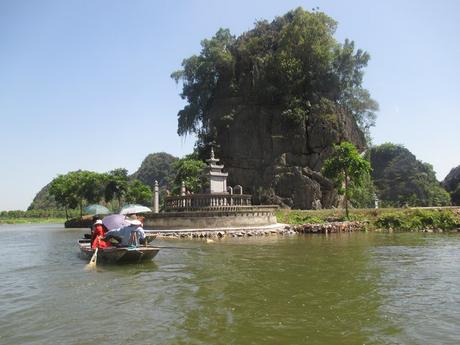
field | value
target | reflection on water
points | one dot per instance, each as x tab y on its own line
341	289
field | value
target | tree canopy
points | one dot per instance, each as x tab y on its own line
294	62
191	171
346	167
80	188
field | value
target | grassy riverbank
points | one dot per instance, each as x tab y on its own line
34	216
411	219
31	220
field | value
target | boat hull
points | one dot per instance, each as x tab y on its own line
118	255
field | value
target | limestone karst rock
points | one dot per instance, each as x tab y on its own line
281	164
452	185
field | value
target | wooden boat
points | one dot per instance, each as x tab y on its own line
118	254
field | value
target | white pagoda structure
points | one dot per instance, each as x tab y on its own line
217	178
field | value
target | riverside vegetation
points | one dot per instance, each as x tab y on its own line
35	216
386	219
397	219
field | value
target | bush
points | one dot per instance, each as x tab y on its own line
419	220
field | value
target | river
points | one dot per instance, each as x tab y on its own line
360	288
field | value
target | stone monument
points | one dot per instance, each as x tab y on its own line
221	209
217	178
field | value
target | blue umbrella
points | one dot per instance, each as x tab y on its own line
96	209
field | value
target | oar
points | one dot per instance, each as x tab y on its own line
93	261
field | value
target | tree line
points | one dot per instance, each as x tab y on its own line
79	188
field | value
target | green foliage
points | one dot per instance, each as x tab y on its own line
200	75
138	193
293	62
156	166
64	191
346	167
300	217
116	185
79	188
380	219
401	180
418	220
363	194
192	172
36	214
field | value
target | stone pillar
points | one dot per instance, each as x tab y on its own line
230	191
182	189
156	198
376	201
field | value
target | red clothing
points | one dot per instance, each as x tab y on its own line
100	243
96	235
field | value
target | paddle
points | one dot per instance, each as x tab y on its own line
93	261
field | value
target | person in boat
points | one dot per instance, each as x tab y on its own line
141	219
97	234
132	234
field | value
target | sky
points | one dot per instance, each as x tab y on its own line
86	84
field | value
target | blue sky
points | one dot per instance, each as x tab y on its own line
85	84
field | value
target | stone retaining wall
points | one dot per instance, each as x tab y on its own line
276	229
332	227
210	219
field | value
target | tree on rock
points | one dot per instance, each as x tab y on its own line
346	167
273	102
294	62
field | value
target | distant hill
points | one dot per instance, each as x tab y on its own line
400	179
452	185
43	200
156	166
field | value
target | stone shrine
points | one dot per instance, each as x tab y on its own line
217	178
219	210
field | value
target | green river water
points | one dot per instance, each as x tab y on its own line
360	288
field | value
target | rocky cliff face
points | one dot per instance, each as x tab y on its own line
452	179
280	162
400	179
452	185
43	200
